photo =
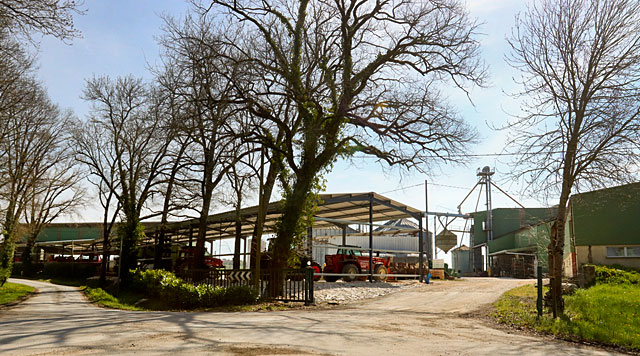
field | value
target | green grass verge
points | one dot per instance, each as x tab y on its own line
606	313
125	300
12	292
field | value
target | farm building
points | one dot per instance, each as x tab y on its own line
64	239
356	218
520	238
603	227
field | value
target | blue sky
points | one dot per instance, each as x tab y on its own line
118	38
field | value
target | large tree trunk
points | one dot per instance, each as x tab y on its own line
267	190
105	256
27	258
132	232
288	228
158	262
556	256
7	249
198	258
556	240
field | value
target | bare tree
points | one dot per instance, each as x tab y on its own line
355	76
241	178
580	74
49	17
172	188
95	149
127	113
34	130
196	73
57	193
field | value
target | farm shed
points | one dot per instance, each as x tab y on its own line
604	227
65	239
520	240
338	213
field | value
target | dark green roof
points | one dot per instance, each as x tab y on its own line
509	220
70	232
608	216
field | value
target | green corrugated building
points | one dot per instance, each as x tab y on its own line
520	239
604	227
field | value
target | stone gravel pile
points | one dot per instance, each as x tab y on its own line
348	292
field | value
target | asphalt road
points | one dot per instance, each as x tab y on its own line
426	320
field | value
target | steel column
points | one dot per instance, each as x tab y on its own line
344	235
421	249
371	238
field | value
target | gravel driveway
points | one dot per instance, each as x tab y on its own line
423	320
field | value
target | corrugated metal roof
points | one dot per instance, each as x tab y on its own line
397	223
346	206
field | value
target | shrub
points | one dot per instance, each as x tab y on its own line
610	275
180	294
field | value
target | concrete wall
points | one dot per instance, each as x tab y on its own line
599	256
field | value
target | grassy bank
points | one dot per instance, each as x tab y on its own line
608	313
162	290
124	300
12	292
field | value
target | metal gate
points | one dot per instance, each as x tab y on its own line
292	285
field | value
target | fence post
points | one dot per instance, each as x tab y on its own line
309	292
539	301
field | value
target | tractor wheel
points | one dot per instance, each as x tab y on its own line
316	270
380	269
350	269
331	278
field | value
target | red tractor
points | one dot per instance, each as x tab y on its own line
186	257
351	262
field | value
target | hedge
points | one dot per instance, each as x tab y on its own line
179	294
610	275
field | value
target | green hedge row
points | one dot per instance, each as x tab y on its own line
611	275
180	294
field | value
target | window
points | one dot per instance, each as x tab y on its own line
625	251
615	252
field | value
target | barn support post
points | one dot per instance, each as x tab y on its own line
244	256
435	251
426	219
421	249
371	237
190	235
344	234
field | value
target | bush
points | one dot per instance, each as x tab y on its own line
16	271
610	275
70	270
180	294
